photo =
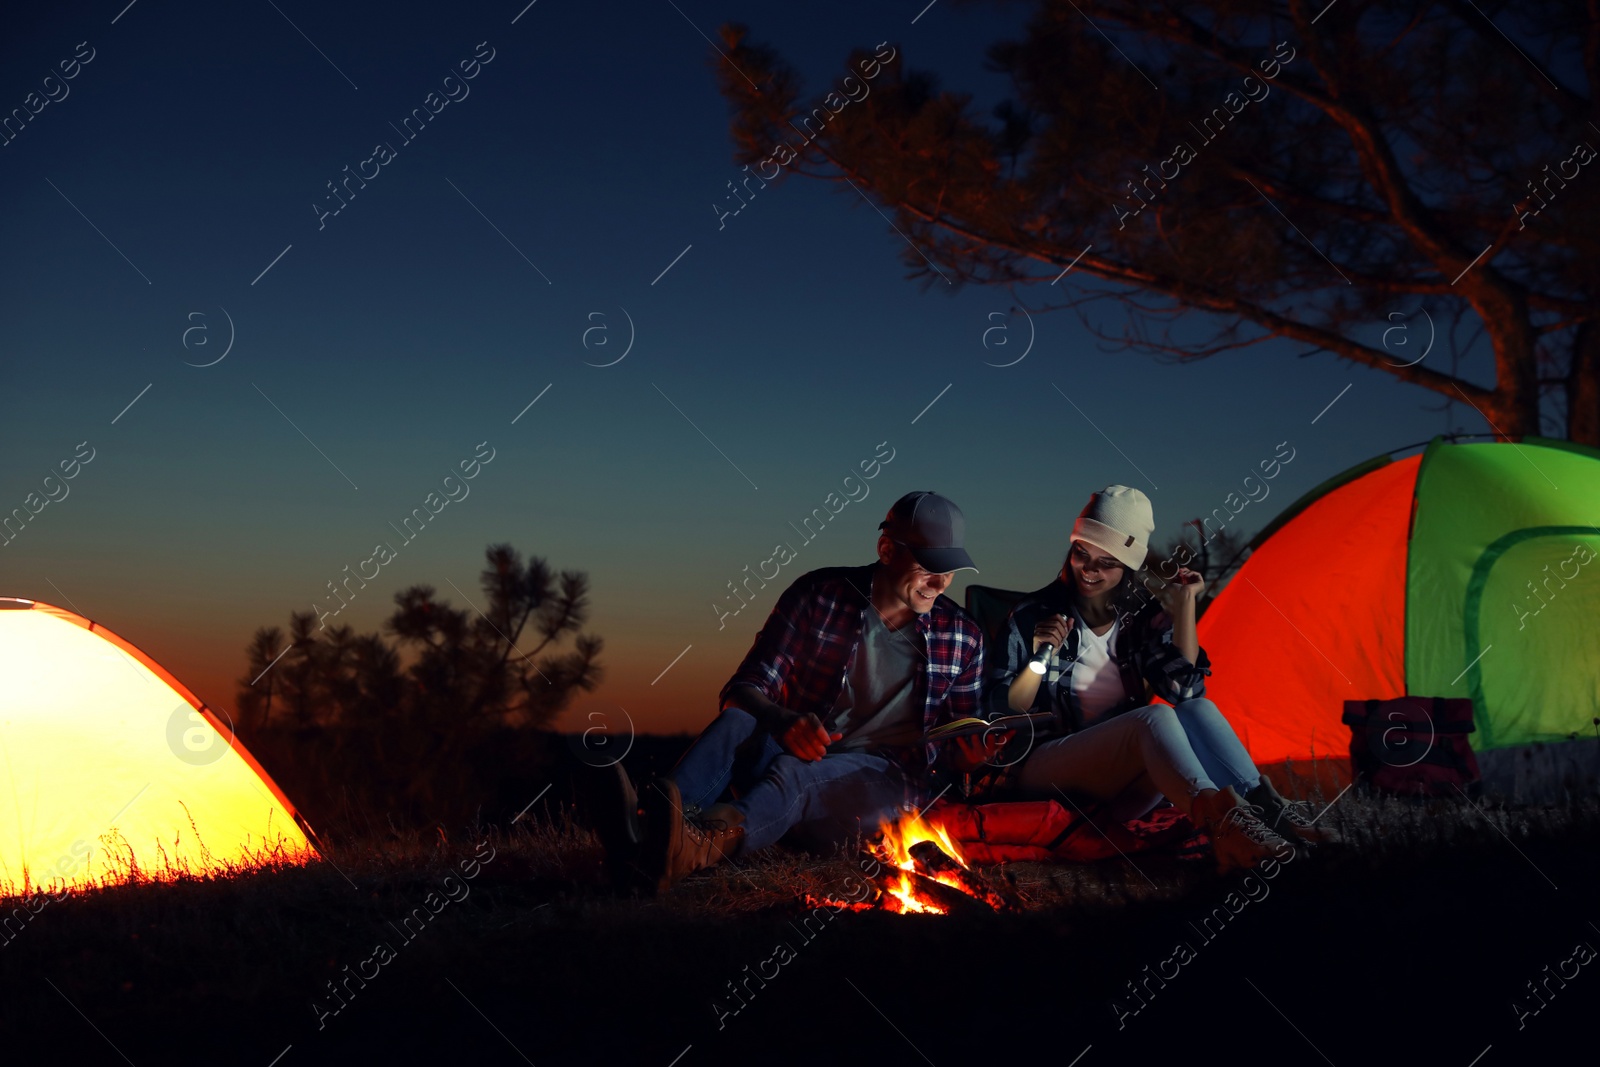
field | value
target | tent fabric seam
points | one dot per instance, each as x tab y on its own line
1474	596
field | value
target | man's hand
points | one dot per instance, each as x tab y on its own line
974	750
1051	631
806	738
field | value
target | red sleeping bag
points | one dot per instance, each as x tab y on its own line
1044	830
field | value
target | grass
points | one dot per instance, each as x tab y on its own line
534	957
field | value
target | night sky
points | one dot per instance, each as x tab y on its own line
181	181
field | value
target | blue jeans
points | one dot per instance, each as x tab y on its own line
1136	758
825	801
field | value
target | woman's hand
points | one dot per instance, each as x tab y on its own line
1051	631
1184	587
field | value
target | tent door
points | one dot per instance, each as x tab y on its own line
1531	607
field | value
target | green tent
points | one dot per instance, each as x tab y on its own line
1471	570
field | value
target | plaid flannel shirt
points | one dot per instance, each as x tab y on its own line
799	658
1147	660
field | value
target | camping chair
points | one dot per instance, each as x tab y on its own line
989	606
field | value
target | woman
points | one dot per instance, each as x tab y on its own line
1108	646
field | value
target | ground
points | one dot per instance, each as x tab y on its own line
1415	944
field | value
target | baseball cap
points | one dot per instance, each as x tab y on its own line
932	527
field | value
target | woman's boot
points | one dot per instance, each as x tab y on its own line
1238	836
1285	817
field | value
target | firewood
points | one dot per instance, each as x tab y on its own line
953	901
934	862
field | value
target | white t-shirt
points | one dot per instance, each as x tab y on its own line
1096	682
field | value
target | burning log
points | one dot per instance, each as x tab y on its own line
913	892
933	862
915	867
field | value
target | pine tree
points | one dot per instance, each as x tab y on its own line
1342	166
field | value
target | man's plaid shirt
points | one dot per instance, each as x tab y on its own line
799	658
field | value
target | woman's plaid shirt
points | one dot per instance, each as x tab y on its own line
800	656
1147	660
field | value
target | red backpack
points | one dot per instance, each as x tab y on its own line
1413	746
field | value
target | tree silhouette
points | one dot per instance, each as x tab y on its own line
471	663
1342	167
407	719
258	688
1215	554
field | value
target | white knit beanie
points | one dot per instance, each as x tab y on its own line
1117	520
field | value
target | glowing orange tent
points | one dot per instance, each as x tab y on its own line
111	770
1460	572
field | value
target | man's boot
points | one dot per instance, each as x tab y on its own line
724	816
1286	817
679	842
1238	836
614	810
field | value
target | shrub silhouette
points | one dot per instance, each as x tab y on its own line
437	718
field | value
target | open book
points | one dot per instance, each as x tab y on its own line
1026	721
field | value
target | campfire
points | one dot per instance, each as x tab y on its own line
915	867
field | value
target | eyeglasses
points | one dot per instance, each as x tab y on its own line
1088	563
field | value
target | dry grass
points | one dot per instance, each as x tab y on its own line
540	920
560	859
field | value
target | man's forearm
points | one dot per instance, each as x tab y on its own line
768	715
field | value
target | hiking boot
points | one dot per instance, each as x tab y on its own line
1285	817
721	816
1238	836
614	812
678	842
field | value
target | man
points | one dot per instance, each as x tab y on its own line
822	729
